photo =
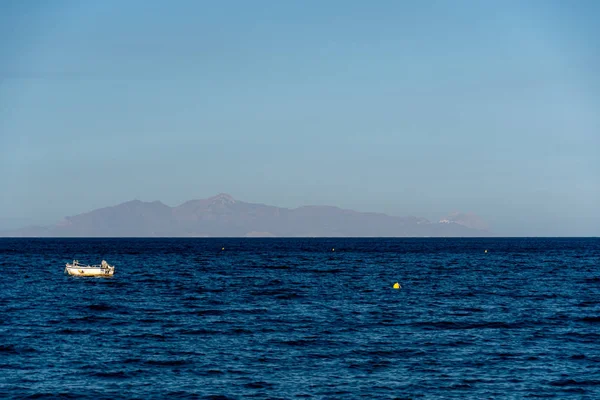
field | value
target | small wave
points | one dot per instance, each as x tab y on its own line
560	317
280	294
113	375
199	332
11	349
471	309
335	393
170	363
239	331
100	307
251	311
403	353
208	312
201	290
258	385
150	279
181	395
572	382
276	267
466	326
149	336
92	366
238	372
68	331
591	320
326	271
132	361
588	304
461	386
288	296
269	292
317	356
148	321
456	343
507	356
581	337
53	396
460	314
299	342
132	252
8	349
89	319
476	380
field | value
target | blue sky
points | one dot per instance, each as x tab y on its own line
409	108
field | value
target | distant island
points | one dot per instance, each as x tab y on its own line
223	216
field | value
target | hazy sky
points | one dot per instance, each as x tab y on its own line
409	108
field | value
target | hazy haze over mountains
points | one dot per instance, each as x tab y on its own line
224	216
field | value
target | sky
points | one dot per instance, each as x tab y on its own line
405	107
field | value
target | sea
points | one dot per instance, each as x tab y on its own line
310	318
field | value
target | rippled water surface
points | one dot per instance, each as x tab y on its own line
291	318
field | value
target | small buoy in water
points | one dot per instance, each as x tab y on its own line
222	248
397	285
332	249
485	251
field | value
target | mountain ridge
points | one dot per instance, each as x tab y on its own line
223	216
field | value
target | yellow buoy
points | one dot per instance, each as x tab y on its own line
397	285
222	248
486	251
332	249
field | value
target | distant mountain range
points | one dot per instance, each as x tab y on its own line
223	216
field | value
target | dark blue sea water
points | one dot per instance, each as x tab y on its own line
290	318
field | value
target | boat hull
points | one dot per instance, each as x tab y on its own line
82	271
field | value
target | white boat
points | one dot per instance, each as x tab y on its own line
77	269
